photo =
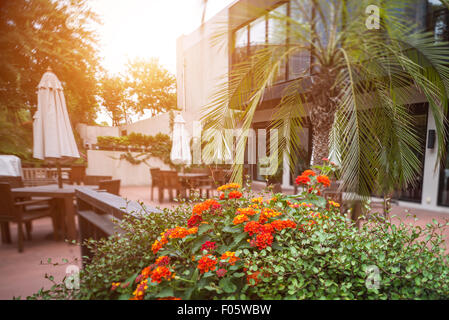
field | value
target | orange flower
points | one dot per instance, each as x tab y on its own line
159	273
283	224
324	180
240	219
200	208
334	204
181	232
140	290
115	285
158	244
302	180
231	256
309	173
257	200
235	194
246	211
267	213
169	298
229	186
206	263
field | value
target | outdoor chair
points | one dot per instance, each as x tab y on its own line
111	186
170	181
38	177
77	174
23	213
219	177
155	180
203	183
95	180
14	182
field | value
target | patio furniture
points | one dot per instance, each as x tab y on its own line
96	211
23	212
170	181
155	180
14	182
219	177
38	177
77	174
95	180
64	198
195	181
111	186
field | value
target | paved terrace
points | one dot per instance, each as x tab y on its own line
22	274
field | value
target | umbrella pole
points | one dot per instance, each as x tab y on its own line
58	167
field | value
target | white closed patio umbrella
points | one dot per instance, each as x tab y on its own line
53	138
180	151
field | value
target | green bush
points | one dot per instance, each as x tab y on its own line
158	146
286	247
118	256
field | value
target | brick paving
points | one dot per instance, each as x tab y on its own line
22	274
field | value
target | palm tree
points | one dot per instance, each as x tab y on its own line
354	93
203	15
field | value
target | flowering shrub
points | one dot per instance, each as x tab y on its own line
242	246
286	247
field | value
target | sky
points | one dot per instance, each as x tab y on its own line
147	28
144	29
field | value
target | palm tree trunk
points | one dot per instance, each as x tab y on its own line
323	112
322	117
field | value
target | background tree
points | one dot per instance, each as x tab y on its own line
114	97
151	86
358	85
35	34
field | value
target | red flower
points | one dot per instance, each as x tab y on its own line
302	179
162	261
221	272
208	246
235	194
325	159
194	221
252	227
205	263
263	240
324	180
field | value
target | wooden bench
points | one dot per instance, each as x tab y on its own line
97	213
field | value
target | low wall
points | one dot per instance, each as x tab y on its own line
107	163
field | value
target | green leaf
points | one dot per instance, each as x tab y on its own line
165	292
203	228
227	285
231	229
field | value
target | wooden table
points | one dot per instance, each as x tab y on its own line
191	179
65	197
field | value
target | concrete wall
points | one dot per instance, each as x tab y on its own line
89	134
202	64
151	126
107	163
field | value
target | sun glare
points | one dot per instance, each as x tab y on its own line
147	28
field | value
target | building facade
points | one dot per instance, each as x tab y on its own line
202	64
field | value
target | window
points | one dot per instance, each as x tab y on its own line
241	45
257	34
272	29
438	20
